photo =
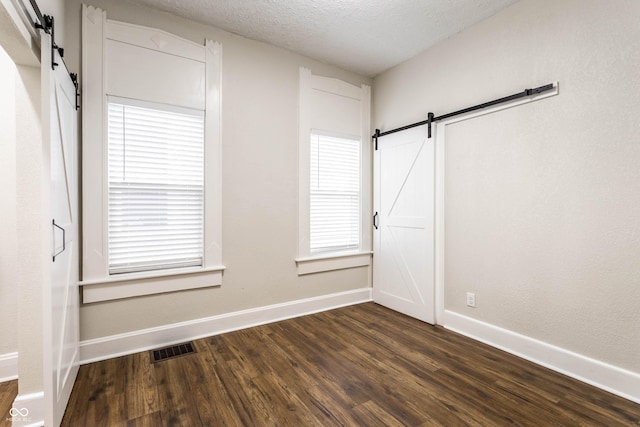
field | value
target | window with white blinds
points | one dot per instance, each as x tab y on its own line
155	187
334	194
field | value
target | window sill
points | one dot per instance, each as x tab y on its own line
317	264
149	283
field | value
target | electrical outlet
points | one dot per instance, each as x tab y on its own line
471	299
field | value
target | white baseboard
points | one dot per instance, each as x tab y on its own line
146	339
602	375
28	410
8	367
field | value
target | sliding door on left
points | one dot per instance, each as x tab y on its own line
61	298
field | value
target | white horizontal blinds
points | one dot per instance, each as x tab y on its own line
156	188
334	194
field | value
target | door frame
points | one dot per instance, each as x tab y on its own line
21	43
440	190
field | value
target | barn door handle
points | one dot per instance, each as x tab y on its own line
375	223
64	239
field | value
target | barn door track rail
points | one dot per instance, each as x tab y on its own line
47	24
431	118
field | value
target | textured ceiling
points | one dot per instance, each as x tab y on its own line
364	36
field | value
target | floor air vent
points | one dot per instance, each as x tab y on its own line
172	351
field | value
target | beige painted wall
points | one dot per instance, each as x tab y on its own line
542	200
8	236
259	182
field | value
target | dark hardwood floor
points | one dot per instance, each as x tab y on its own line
361	365
8	393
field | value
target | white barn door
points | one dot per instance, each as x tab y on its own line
61	298
403	261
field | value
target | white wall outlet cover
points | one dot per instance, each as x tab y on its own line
471	299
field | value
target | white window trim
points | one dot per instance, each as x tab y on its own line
137	284
317	264
305	262
97	285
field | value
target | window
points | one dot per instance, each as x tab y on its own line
155	187
334	194
151	157
334	175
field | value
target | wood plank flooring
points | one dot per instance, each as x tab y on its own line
8	393
361	365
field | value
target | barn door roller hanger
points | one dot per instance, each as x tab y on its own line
47	24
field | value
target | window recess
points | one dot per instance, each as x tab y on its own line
334	194
155	187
